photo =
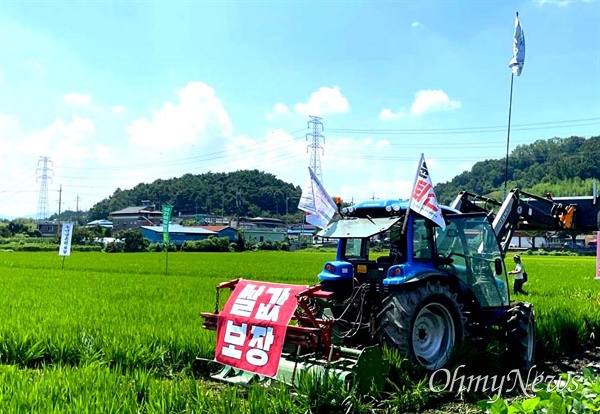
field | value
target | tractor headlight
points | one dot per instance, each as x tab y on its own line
330	268
395	271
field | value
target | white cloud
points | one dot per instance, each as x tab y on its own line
559	3
325	101
432	101
278	109
426	101
118	109
199	116
63	140
388	114
282	154
77	99
415	24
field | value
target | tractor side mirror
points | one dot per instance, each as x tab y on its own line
498	266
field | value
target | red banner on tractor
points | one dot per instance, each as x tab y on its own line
252	325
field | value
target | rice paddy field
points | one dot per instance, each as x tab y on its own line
117	333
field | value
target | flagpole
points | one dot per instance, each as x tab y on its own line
516	65
512	78
403	230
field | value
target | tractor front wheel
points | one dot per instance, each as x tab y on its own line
423	323
520	336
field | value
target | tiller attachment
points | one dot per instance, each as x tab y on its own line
253	332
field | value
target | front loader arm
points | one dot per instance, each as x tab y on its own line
532	213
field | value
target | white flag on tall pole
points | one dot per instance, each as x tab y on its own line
318	205
423	200
518	60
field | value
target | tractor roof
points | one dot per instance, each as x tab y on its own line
368	218
385	208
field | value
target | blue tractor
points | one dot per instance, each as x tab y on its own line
401	280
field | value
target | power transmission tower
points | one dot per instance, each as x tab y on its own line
315	145
42	210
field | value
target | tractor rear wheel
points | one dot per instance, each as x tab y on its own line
423	323
520	336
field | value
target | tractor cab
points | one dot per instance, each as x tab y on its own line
387	253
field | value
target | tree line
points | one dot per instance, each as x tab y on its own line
244	193
561	166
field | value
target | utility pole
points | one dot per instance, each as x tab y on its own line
315	145
287	197
42	211
77	209
238	204
59	205
222	203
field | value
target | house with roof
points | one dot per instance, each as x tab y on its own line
223	231
102	223
47	228
262	229
135	217
177	233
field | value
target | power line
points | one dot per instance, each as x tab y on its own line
455	131
586	121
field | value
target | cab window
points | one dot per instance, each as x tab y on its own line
422	240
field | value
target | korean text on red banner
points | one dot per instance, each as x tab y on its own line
252	325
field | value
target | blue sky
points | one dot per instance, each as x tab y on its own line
119	93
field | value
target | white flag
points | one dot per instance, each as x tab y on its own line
319	207
518	60
65	239
423	199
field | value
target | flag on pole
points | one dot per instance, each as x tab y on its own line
65	239
518	60
319	206
166	212
423	200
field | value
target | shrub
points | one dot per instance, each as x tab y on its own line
160	247
211	244
114	247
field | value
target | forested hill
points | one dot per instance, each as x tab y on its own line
562	166
255	193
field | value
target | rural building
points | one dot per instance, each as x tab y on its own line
135	217
177	233
102	223
522	241
47	228
262	229
223	231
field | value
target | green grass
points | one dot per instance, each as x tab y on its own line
113	330
566	299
